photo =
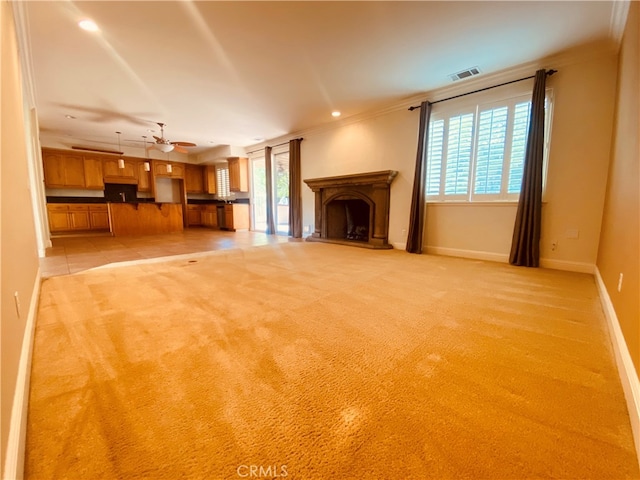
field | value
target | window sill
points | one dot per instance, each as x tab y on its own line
458	203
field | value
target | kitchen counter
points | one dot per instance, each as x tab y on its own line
145	218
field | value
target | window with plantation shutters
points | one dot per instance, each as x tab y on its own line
476	153
222	179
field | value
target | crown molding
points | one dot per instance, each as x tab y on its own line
619	13
589	52
24	47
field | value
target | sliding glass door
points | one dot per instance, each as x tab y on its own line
281	192
280	174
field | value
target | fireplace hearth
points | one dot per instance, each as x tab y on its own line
353	209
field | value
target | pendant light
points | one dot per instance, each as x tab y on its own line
147	164
169	167
120	160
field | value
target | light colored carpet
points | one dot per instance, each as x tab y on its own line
320	361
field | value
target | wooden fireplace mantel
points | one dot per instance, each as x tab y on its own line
371	190
383	177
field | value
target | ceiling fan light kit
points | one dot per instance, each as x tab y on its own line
163	147
166	146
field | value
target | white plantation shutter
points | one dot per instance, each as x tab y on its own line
434	156
478	154
492	129
222	178
458	165
518	145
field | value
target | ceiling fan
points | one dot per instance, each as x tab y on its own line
165	145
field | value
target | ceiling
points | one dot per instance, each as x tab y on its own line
236	73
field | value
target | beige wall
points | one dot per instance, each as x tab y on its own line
620	238
584	95
386	142
19	258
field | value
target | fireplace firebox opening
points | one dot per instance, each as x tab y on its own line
348	220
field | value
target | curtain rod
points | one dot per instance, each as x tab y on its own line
548	72
274	146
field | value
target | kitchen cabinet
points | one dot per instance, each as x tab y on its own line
210	216
236	216
194	179
65	217
93	174
58	218
114	174
161	169
238	174
63	170
98	217
144	178
210	179
194	215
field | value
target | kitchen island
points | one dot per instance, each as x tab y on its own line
145	218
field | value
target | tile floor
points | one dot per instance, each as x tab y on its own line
76	253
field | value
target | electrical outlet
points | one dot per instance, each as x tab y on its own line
16	297
554	245
620	282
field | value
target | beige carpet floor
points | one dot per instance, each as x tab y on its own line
316	361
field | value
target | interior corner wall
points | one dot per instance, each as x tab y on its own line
19	272
619	251
385	142
584	95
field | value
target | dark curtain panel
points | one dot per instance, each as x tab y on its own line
525	246
271	224
416	220
295	189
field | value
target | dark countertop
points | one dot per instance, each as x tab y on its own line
196	201
92	200
76	200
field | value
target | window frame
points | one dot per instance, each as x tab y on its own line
466	106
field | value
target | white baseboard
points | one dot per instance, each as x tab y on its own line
626	368
399	245
475	254
504	258
567	266
14	455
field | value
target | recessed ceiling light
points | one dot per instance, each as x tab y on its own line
70	116
151	131
88	25
335	113
258	139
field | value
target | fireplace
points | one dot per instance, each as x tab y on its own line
353	209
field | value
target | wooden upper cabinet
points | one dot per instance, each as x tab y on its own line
161	169
210	179
63	170
112	170
238	174
194	179
93	176
144	178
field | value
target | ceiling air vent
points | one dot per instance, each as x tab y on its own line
469	72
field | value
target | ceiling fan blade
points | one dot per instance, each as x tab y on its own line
184	144
158	139
180	149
